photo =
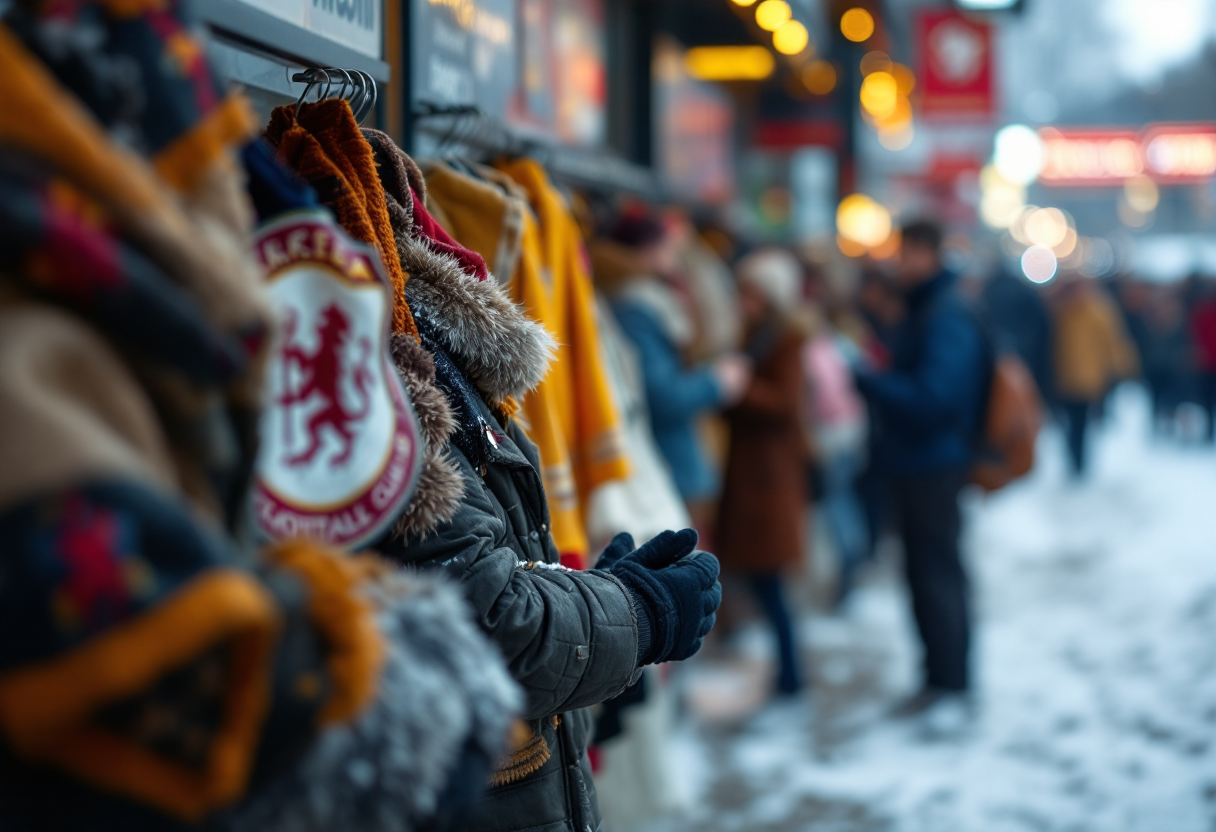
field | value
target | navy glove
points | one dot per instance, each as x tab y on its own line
675	592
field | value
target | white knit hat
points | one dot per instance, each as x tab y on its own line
774	273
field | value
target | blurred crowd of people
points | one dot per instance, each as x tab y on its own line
783	385
775	381
1082	336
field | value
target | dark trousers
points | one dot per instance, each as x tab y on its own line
1207	392
770	594
930	524
1076	417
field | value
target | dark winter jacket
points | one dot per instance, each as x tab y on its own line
678	395
569	638
931	401
1021	324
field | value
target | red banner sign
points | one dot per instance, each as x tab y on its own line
1090	157
1169	153
956	66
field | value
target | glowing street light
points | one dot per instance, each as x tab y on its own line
791	38
1018	155
819	77
879	94
1039	264
857	25
729	63
861	220
771	15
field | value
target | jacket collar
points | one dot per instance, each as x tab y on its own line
488	337
478	434
923	294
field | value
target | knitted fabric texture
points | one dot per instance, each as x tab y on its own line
323	145
443	688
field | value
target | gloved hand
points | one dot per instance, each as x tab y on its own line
674	589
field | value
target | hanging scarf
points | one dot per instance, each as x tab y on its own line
321	142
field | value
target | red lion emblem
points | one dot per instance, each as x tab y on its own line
321	373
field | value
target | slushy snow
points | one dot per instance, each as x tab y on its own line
1095	662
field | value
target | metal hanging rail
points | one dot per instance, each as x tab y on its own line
468	128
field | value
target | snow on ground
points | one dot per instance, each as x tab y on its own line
1095	659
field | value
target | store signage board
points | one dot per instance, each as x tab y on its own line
354	23
955	75
696	127
463	52
563	75
1168	153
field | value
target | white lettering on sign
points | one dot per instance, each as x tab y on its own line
353	23
362	13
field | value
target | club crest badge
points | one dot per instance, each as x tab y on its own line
340	445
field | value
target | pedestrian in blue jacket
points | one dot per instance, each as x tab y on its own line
930	403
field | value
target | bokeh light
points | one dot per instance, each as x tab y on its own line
857	25
896	138
1018	229
1046	227
1099	258
889	248
875	62
771	15
861	220
1039	264
1142	194
1067	246
743	3
905	79
729	63
791	38
1018	155
819	77
1001	207
879	94
849	248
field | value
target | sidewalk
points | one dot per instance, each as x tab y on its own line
1096	660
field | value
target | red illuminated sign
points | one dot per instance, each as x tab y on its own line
1090	157
1180	152
956	78
1169	153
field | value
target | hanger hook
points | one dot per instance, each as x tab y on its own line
309	77
367	98
347	84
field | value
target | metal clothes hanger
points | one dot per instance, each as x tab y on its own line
357	87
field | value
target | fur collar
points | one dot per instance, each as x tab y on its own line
502	351
440	485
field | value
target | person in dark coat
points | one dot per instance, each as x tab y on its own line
1020	324
1167	359
570	639
760	518
931	403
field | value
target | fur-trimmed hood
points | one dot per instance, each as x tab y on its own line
503	352
453	297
